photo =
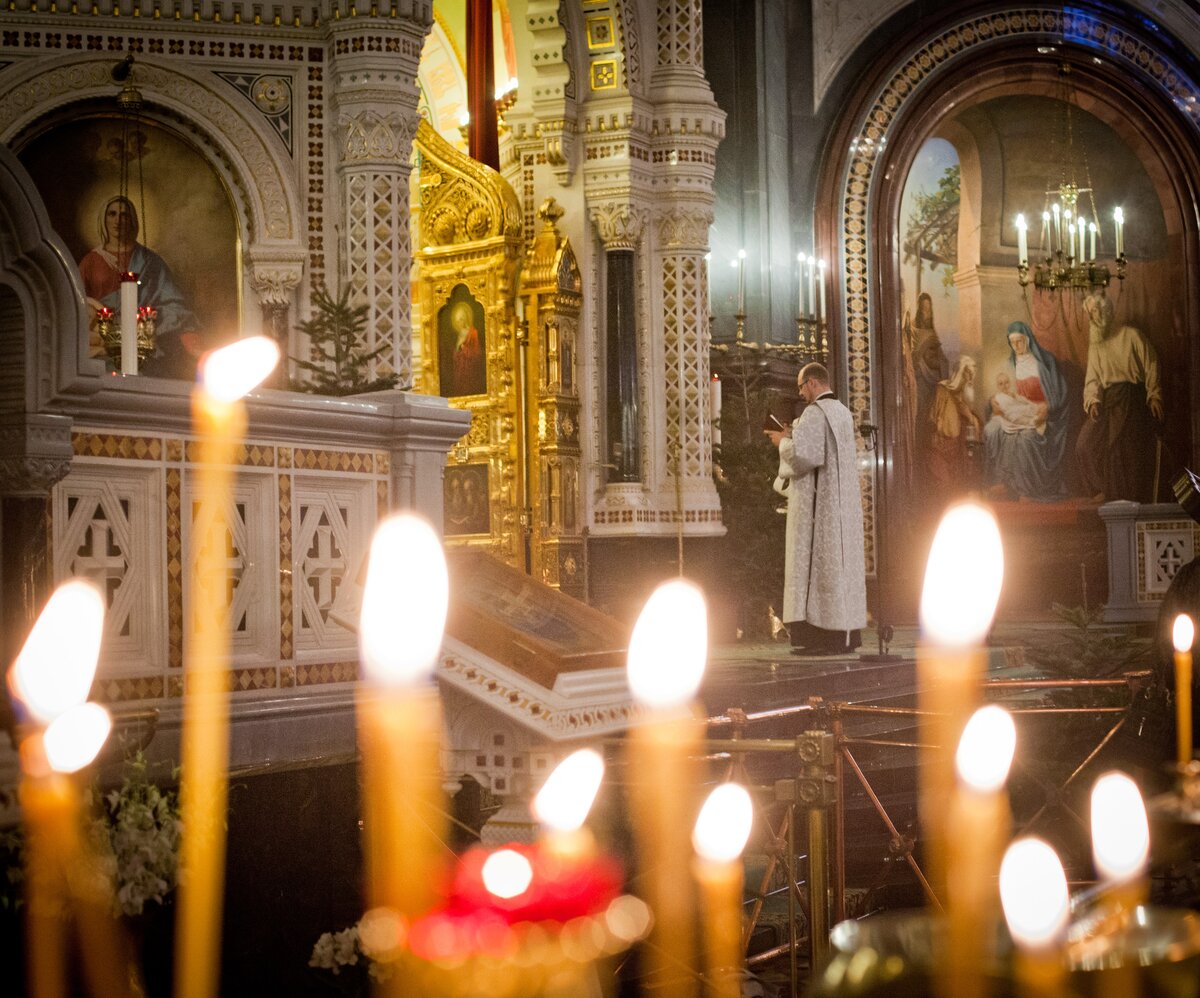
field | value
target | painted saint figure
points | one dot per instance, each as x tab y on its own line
176	344
953	433
1025	461
1122	396
461	368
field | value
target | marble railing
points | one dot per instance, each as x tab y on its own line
1147	544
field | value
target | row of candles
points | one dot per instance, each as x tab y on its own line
810	282
405	598
1073	237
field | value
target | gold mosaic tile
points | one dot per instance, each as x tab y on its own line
327	460
174	449
383	462
285	568
115	446
248	455
287	677
283	457
129	688
326	672
381	499
175	686
174	499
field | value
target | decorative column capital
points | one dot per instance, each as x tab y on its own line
685	227
35	453
378	138
275	276
619	224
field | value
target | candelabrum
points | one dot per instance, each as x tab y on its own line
109	329
1064	272
811	341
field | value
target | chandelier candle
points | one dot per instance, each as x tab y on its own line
219	417
976	832
1033	892
129	315
719	837
400	721
800	258
667	654
1119	224
821	290
1022	242
741	290
1183	635
958	601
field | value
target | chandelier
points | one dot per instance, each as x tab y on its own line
1071	226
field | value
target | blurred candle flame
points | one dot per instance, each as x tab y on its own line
985	751
566	797
55	668
1120	830
404	602
724	824
1033	892
506	873
1183	633
74	738
962	577
669	646
232	371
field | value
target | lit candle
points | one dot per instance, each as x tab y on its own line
219	417
821	290
1183	634
400	717
1022	244
977	830
667	653
563	803
962	586
1046	246
800	258
1070	240
1056	229
129	307
1081	228
741	269
1120	839
50	681
811	265
714	398
1091	242
719	837
1033	892
1119	222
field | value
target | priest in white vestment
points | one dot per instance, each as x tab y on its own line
825	589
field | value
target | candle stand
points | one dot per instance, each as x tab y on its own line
811	341
109	330
827	767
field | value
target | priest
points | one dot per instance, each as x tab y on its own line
825	589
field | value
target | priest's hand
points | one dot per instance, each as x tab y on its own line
774	436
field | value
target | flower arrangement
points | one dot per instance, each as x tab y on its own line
137	834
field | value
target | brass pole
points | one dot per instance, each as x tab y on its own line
839	826
818	889
793	937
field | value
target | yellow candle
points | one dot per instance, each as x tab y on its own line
1120	840
1033	891
719	838
977	830
220	422
563	803
1183	634
400	718
50	681
962	586
667	654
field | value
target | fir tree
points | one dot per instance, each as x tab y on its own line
336	336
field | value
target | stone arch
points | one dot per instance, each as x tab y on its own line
888	108
253	159
43	324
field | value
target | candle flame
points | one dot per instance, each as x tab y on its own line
567	795
404	602
669	646
724	824
985	751
741	254
55	668
1119	215
232	371
74	738
1020	221
963	577
1183	634
1120	831
506	873
1033	893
